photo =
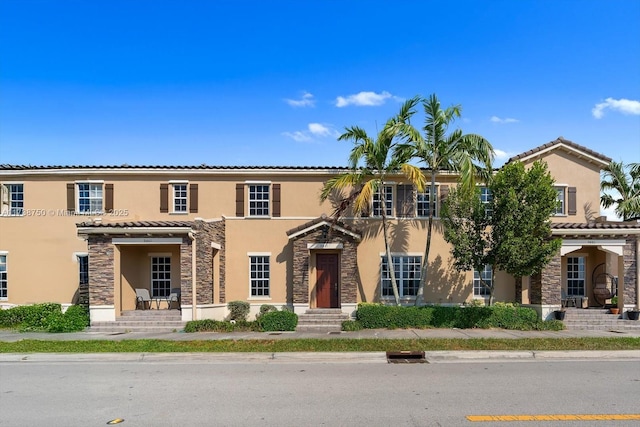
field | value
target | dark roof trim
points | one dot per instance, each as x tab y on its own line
319	222
560	142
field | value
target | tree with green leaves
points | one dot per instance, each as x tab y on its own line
371	162
469	155
621	189
512	232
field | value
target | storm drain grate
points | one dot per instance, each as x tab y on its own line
406	357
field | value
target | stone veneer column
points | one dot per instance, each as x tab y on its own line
630	270
101	270
185	271
545	287
206	233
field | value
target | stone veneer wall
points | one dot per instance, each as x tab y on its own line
185	271
101	270
348	266
545	286
206	233
630	270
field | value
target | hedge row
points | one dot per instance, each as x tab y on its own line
504	316
268	321
45	317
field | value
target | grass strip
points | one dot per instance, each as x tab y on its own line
317	345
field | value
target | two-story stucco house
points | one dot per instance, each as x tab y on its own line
260	234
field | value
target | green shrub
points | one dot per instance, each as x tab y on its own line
376	316
351	325
209	325
266	308
45	317
238	310
279	321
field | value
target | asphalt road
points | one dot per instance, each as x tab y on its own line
200	391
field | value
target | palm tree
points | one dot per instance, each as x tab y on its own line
371	161
615	179
470	155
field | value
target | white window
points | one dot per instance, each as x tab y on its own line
387	195
478	288
486	198
407	273
259	275
89	198
180	197
560	208
259	199
575	275
3	276
423	203
160	276
83	269
12	196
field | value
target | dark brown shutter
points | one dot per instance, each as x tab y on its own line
71	197
276	200
193	198
239	199
571	201
164	198
108	198
405	207
444	193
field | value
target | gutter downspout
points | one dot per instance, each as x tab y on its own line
194	310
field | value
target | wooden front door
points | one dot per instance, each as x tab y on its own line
327	281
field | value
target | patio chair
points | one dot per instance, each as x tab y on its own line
567	299
143	298
174	296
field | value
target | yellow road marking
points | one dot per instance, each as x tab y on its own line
557	417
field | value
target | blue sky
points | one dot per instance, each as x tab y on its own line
273	83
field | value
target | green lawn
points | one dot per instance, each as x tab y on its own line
313	345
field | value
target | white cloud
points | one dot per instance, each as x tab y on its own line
610	213
317	130
306	101
502	155
496	119
298	136
366	99
624	106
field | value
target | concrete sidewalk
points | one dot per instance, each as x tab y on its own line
11	336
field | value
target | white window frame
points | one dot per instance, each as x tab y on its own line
163	277
427	193
407	269
486	197
576	276
259	275
4	271
93	185
179	202
479	290
389	195
258	207
8	205
561	196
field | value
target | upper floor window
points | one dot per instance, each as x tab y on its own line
89	198
179	197
560	199
3	276
487	277
486	198
406	270
12	197
387	201
259	199
424	203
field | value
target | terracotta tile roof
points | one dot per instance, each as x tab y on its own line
566	142
595	226
202	167
320	219
138	224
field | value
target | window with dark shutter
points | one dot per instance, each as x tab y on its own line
444	193
164	198
405	205
193	198
239	199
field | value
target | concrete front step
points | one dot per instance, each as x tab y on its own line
597	319
321	320
125	329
